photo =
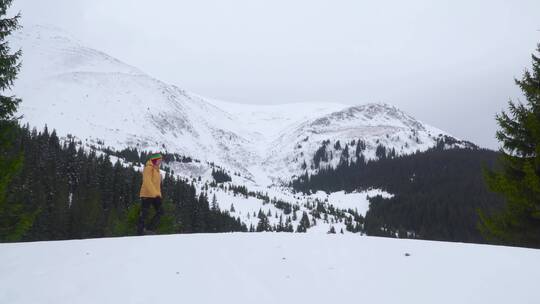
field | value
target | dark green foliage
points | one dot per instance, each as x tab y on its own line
304	223
437	193
286	207
519	179
360	147
137	157
380	152
264	223
80	195
15	219
214	206
220	176
9	62
344	155
241	190
320	155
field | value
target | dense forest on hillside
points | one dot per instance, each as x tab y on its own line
73	193
437	193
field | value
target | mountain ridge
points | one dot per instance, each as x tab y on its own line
87	93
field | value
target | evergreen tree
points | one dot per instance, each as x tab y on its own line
304	165
345	156
304	223
14	218
9	63
220	176
436	192
519	179
280	226
214	206
80	194
264	223
380	152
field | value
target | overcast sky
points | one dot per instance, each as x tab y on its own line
448	63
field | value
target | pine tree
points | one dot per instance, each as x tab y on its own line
345	155
264	224
280	226
304	223
14	219
519	179
214	205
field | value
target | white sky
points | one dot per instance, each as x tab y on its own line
448	63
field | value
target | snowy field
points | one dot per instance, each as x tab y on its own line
266	268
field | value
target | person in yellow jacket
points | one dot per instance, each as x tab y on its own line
150	195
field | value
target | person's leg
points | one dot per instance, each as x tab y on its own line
145	206
156	202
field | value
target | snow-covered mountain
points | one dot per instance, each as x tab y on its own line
105	103
99	99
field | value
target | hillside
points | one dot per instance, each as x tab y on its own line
104	102
437	194
265	268
103	105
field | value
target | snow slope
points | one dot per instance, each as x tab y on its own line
265	268
83	92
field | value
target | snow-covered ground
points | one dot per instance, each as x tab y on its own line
265	268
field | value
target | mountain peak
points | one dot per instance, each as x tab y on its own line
370	114
91	95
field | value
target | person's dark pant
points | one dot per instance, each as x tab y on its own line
145	208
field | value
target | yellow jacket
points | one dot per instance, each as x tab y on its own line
151	185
